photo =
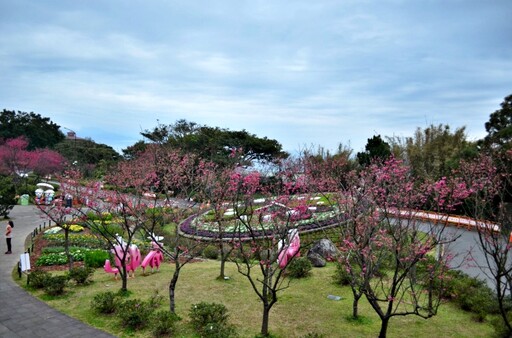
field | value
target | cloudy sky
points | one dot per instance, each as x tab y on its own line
306	73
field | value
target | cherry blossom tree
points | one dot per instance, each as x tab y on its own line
17	161
384	246
263	233
490	180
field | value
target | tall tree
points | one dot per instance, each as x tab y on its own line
216	144
434	151
376	148
40	131
499	126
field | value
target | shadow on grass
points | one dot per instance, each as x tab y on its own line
359	320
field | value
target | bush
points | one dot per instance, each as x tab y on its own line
81	275
341	276
204	314
134	313
163	323
96	258
218	331
37	278
54	285
299	267
211	252
105	302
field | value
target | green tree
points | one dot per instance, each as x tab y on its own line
499	126
7	195
40	131
434	151
217	144
91	157
376	148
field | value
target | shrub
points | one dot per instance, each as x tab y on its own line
54	285
210	252
96	258
215	330
205	314
163	323
105	302
37	278
341	276
134	313
81	275
299	267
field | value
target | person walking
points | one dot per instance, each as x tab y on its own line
8	236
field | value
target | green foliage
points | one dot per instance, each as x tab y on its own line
299	267
105	302
81	240
40	131
37	278
499	126
470	293
57	256
312	335
7	195
163	323
341	275
211	252
96	258
81	275
54	285
134	313
375	148
215	144
205	315
500	328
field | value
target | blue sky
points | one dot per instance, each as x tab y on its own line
306	73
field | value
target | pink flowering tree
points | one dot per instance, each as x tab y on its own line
384	247
490	180
263	232
17	161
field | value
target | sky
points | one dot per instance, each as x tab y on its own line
308	74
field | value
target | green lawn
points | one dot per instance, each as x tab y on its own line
301	309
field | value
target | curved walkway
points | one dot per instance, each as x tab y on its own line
22	315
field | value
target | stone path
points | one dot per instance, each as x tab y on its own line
22	315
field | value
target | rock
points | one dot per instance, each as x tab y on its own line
325	248
316	259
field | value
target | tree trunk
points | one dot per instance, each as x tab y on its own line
355	305
264	321
222	261
66	248
124	278
383	327
172	288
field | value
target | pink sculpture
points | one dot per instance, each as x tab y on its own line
109	269
290	249
132	260
154	258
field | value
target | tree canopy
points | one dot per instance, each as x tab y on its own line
217	144
499	126
376	148
40	131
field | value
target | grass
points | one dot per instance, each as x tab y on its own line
302	308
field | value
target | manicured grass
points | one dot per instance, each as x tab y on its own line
302	308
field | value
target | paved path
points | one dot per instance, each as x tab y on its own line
22	315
